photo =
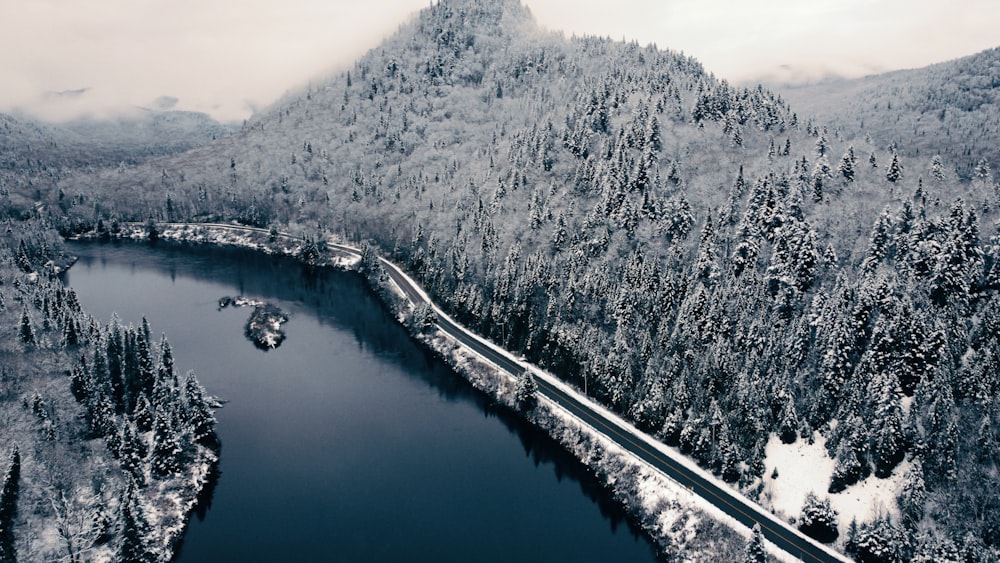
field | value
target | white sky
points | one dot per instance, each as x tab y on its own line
226	57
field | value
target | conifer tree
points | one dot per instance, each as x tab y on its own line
754	552
895	170
887	425
937	168
200	418
132	451
912	495
846	166
80	383
146	373
8	506
788	424
101	414
143	414
113	353
165	459
819	519
705	267
27	333
136	535
526	391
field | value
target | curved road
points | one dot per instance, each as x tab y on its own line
785	537
732	503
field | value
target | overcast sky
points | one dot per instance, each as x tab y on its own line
226	57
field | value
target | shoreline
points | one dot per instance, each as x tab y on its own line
680	525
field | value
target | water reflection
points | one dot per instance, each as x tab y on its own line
354	428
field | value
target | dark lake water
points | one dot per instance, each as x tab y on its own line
348	442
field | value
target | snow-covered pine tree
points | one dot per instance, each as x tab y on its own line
846	166
887	448
754	552
882	541
912	495
8	506
526	391
165	459
26	331
895	170
136	534
819	519
200	417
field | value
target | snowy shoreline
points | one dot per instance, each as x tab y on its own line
681	525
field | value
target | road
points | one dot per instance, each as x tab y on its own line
719	494
785	537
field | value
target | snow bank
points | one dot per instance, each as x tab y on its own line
803	468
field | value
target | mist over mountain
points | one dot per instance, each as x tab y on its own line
711	261
951	109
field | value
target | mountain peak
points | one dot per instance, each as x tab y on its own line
491	17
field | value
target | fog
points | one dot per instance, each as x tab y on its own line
61	59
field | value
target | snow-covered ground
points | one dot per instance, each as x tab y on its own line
803	468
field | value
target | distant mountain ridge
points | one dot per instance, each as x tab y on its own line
950	108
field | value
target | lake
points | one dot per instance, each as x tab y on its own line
349	442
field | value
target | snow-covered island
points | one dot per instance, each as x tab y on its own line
263	328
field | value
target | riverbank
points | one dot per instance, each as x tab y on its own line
93	482
683	526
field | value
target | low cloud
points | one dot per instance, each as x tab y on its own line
227	59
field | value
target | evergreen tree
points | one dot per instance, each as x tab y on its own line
705	267
788	429
8	506
526	391
848	469
937	168
146	375
113	352
143	414
819	519
847	163
887	425
27	333
933	549
101	414
136	533
81	383
940	460
754	552
881	541
913	495
165	459
895	170
200	418
132	451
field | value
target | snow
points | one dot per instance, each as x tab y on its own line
669	510
804	468
675	511
660	497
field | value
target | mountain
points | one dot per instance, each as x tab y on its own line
951	109
35	155
137	135
728	276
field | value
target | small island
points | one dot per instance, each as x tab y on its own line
263	328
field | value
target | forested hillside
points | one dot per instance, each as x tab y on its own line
694	254
34	156
951	109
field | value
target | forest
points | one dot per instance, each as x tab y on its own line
699	256
108	446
